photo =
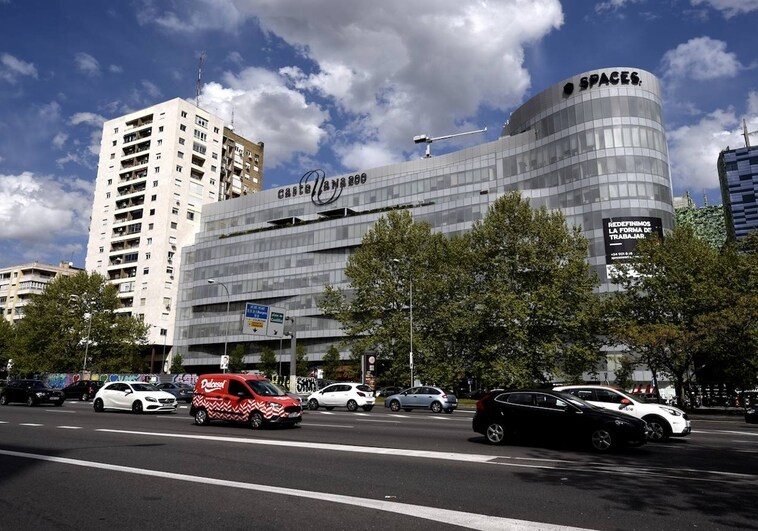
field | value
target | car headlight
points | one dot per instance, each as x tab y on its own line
672	411
39	394
150	399
751	411
275	405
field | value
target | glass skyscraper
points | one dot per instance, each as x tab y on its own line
738	177
592	146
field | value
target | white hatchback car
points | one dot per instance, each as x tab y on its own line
137	397
664	421
343	394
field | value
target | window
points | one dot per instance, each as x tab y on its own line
182	127
522	399
153	197
155	183
215	130
181	141
199	148
107	195
213	181
147	256
202	122
157	169
113	156
150	226
158	156
180	154
175	211
102	249
184	114
190	215
114	142
115	129
149	241
200	135
160	129
178	168
146	271
152	211
213	169
110	181
214	155
173	224
160	141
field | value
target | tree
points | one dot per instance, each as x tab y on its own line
688	307
301	363
533	311
268	365
7	339
237	359
331	363
177	366
73	318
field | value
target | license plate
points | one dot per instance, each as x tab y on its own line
53	398
295	414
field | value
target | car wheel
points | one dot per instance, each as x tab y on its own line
395	405
30	401
368	408
659	428
352	405
98	405
601	440
3	400
495	433
256	420
436	407
84	397
313	404
201	417
137	407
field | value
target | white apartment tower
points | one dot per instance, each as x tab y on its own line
157	167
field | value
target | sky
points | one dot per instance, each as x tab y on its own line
341	85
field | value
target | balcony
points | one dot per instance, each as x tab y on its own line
135	161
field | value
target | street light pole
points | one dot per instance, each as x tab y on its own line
226	328
86	346
410	356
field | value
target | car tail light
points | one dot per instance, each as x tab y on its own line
361	394
480	405
444	397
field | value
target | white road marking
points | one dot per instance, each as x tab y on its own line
59	410
30	424
69	427
459	518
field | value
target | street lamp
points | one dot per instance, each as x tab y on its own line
410	282
226	328
87	316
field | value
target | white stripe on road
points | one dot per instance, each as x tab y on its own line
30	424
69	427
447	516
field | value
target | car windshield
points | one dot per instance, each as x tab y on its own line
265	388
143	388
36	384
578	402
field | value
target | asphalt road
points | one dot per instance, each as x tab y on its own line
70	468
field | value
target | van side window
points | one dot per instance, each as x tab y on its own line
238	389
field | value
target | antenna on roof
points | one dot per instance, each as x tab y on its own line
199	79
419	139
746	134
231	125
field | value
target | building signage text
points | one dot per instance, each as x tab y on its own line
622	234
322	190
603	79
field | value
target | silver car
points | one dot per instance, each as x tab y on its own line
424	397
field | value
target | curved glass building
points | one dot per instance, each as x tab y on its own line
592	146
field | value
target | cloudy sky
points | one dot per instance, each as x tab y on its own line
339	84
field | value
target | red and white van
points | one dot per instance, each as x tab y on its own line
245	398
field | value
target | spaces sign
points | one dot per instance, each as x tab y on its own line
621	235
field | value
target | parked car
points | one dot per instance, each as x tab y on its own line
553	417
665	421
294	396
343	394
31	392
751	415
181	391
389	390
424	397
82	390
137	397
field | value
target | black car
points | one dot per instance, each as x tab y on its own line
31	392
181	391
552	417
751	415
82	390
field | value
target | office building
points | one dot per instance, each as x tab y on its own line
738	177
19	283
158	167
592	146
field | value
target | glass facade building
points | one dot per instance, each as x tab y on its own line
738	177
592	146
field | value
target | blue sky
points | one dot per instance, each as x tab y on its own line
341	85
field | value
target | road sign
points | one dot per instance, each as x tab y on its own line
275	326
256	319
224	362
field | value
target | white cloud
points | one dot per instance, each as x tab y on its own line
11	68
40	209
87	64
614	5
59	140
88	118
694	149
390	68
700	59
115	69
729	8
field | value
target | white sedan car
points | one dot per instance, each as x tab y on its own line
343	394
664	421
137	397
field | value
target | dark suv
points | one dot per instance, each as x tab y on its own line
82	390
31	392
